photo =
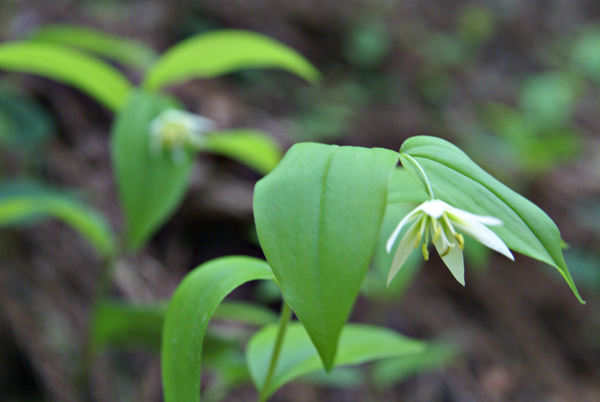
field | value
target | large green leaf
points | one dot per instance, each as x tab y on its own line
88	74
126	51
251	147
358	344
151	186
220	52
317	217
403	188
460	182
190	310
25	202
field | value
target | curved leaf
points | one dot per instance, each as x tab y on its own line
190	310
460	182
358	344
22	202
150	186
220	52
250	147
317	217
88	74
126	51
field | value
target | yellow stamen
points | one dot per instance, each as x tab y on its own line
425	252
445	252
460	239
437	233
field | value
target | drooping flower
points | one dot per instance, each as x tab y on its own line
443	222
177	130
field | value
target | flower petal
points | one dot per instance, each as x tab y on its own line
411	215
467	216
453	259
406	246
483	235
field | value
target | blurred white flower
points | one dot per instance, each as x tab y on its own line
177	130
442	221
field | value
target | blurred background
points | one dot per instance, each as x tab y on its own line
515	84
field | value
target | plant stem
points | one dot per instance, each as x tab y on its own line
284	319
423	174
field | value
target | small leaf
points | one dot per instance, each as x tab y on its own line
190	310
220	52
86	73
460	182
317	217
126	51
403	188
24	202
251	147
245	313
151	186
388	372
123	325
358	344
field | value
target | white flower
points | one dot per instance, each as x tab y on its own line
176	130
442	221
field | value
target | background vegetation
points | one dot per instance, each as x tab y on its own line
514	84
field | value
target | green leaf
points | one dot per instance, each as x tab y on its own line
403	188
317	217
126	51
123	325
220	52
251	147
460	182
88	74
24	202
190	310
244	312
150	186
375	284
388	372
358	344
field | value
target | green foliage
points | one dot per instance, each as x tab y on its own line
24	124
86	73
358	344
150	186
220	52
253	148
25	202
457	180
317	217
190	310
125	51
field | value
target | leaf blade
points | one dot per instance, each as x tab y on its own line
457	180
189	312
88	74
220	52
317	217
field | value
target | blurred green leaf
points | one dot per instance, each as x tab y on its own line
375	285
388	372
403	188
317	217
150	186
254	148
244	312
368	44
86	73
190	310
126	51
358	344
23	202
123	325
460	182
25	123
220	52
586	52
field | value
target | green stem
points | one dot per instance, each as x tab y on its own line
284	319
429	189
